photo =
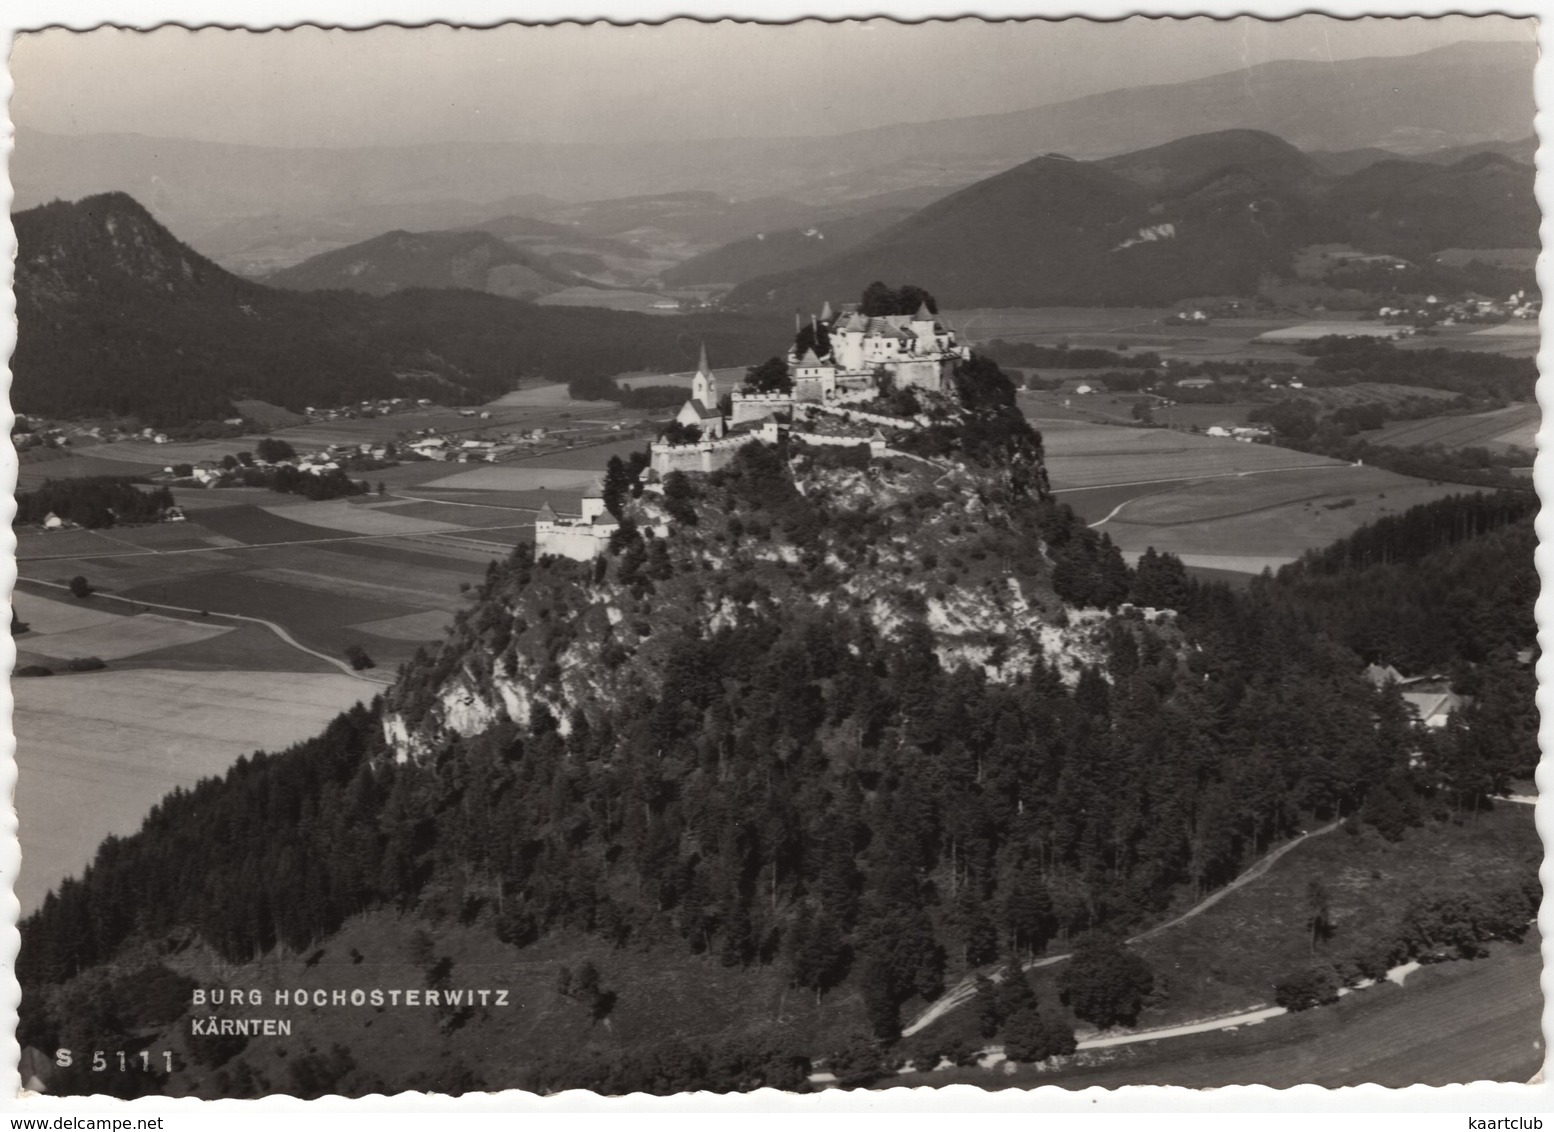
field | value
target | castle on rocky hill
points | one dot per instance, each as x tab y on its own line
838	369
835	360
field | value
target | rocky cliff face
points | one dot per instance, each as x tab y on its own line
890	548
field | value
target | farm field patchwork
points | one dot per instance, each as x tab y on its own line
97	751
314	616
45	616
257	526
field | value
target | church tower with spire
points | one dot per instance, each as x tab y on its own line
704	386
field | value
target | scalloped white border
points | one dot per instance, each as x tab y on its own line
1445	1107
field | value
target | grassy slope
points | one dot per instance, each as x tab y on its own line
1226	961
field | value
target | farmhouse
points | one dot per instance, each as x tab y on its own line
1082	386
1433	708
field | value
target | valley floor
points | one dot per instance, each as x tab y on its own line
95	751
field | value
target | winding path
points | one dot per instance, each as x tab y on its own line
278	630
963	991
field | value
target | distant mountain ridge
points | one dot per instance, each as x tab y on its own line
117	317
394	261
1208	214
1462	95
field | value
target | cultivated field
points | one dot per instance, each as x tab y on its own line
1217	503
1136	328
1258	521
641	301
1514	339
40	464
1082	455
96	751
122	637
327	585
1349	327
1513	426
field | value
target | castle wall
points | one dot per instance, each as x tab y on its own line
753	406
703	456
580	543
871	418
876	447
922	373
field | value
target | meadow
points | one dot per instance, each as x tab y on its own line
1095	455
1250	523
1216	503
1453	1023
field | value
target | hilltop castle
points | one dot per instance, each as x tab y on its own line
834	360
838	365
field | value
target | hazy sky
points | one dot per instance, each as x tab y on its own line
603	83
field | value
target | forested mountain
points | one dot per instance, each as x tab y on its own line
840	728
117	317
395	261
1523	151
783	250
1207	214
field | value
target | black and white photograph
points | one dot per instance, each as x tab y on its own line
714	556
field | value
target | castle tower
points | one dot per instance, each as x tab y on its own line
544	528
593	500
923	328
825	313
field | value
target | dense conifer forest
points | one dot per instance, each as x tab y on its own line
93	501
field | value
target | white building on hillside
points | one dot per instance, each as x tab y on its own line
582	538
